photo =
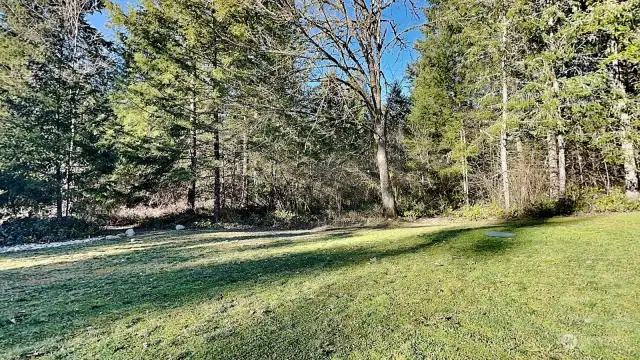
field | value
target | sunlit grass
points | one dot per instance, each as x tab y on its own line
410	292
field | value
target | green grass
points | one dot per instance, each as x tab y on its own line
419	291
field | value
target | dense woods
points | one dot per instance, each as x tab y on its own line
530	99
244	110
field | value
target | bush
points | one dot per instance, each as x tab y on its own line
480	211
596	200
585	200
34	229
202	218
284	218
543	209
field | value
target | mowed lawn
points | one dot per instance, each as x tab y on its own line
563	288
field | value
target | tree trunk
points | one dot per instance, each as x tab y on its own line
607	178
74	12
562	167
504	166
561	162
191	196
254	185
216	176
69	166
223	183
273	190
523	178
465	171
630	173
245	166
580	168
552	162
58	192
374	63
386	192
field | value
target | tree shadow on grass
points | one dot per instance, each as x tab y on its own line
92	291
158	240
492	245
471	241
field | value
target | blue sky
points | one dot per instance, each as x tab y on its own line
99	19
394	64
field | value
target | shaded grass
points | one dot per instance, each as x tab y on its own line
408	292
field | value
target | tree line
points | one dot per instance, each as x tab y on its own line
524	100
249	107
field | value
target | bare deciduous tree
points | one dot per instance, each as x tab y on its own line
349	38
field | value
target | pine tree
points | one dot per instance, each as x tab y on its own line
57	108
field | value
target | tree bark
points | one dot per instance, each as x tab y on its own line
552	162
245	166
562	167
607	178
273	190
580	167
523	172
465	170
380	136
386	191
216	171
191	196
374	63
69	166
630	168
58	192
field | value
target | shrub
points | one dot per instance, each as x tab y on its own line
284	217
615	201
479	211
35	229
543	209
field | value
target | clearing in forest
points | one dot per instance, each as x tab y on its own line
562	288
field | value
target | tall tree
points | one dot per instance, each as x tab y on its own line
618	23
350	38
54	123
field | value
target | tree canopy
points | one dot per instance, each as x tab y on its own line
246	108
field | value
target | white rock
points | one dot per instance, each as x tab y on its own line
130	232
180	227
112	237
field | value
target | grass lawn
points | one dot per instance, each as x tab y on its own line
563	288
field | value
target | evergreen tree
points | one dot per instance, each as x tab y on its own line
57	106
